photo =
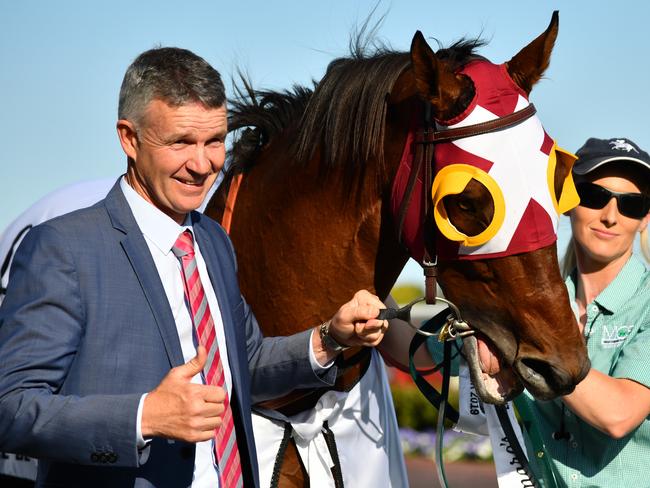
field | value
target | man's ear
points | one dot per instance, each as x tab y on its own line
128	138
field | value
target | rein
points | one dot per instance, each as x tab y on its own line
448	327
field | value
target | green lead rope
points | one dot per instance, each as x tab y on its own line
429	392
442	411
438	400
547	472
547	476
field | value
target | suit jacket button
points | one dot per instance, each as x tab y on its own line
103	457
112	457
94	457
186	452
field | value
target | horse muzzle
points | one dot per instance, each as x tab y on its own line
500	372
547	379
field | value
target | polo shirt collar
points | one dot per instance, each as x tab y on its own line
160	229
619	291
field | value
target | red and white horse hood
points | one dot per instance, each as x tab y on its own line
516	165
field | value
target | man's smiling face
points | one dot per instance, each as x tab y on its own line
176	154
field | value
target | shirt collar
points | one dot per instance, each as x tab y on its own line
620	290
624	285
155	225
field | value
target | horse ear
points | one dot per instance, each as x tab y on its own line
435	81
529	64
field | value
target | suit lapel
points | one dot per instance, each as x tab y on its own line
217	258
144	268
212	256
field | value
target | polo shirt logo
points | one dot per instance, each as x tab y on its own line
614	335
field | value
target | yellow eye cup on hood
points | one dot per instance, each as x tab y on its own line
452	180
568	195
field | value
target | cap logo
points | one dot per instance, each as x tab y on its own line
622	145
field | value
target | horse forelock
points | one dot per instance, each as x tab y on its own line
461	52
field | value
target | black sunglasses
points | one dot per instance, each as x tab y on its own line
633	205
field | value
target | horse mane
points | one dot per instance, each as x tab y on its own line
257	116
342	116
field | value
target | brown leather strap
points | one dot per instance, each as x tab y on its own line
485	127
429	265
352	365
228	210
430	282
410	185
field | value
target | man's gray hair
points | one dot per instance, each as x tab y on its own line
170	74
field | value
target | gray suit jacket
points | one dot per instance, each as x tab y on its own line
86	329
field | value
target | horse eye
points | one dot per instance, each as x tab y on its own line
464	204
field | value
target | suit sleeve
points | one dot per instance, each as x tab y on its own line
41	327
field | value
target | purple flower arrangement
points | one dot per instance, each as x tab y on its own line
456	446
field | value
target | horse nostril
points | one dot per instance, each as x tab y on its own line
556	378
537	366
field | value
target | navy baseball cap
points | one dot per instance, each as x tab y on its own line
598	152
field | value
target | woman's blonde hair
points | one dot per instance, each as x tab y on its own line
569	262
645	245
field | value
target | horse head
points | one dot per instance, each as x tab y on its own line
496	197
317	211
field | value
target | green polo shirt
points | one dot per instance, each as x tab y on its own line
618	341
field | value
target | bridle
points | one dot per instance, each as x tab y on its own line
447	325
426	139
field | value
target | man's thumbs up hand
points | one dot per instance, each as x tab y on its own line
179	409
191	368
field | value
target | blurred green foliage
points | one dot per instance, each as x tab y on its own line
403	294
413	410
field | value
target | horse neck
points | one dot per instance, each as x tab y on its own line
304	246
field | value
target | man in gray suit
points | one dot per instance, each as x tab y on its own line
129	357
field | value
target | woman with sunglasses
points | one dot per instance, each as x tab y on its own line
599	434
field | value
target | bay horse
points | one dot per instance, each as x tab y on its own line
319	210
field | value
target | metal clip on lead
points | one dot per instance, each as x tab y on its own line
454	327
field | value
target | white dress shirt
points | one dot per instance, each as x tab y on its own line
160	233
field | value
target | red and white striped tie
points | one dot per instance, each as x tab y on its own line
225	439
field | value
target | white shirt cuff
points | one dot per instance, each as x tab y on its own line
139	440
315	365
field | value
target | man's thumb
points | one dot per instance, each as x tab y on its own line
195	365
